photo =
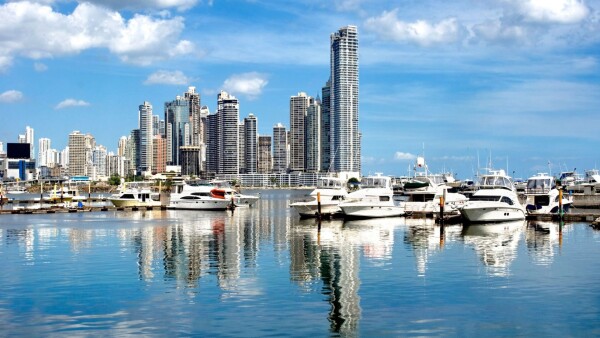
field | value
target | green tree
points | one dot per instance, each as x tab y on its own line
114	179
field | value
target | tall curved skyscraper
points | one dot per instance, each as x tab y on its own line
345	135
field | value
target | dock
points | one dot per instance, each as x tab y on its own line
63	210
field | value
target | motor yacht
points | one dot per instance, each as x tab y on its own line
495	200
198	196
543	196
332	191
425	198
239	199
135	195
375	198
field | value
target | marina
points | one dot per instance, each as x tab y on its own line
158	271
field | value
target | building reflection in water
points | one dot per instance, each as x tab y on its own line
495	244
332	255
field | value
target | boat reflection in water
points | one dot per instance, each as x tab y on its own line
542	239
426	239
495	243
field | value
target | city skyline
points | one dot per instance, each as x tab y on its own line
455	82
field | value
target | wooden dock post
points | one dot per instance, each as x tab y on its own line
319	216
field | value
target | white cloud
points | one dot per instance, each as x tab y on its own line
37	31
40	67
10	96
166	77
133	4
553	11
400	156
389	27
71	103
249	84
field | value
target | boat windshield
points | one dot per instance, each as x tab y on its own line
330	183
493	181
376	182
539	185
485	198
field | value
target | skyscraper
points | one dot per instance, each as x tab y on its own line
77	154
250	144
279	149
265	163
298	106
345	135
313	136
196	131
177	120
228	119
325	127
146	137
44	145
29	138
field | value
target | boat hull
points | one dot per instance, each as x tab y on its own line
310	209
213	204
490	213
127	203
360	210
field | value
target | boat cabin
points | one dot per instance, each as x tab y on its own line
330	183
540	184
497	179
376	182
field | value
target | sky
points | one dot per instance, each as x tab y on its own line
465	83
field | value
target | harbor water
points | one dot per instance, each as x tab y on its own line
262	271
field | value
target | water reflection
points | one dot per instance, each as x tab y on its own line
426	239
255	253
495	243
543	239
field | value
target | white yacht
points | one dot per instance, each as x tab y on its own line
198	196
543	197
135	195
425	198
375	198
496	200
239	199
423	192
332	191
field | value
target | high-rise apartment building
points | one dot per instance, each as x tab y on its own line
251	144
122	146
146	137
345	135
242	148
177	125
280	146
159	154
298	106
265	162
229	116
325	127
196	131
29	138
77	154
313	136
99	154
44	145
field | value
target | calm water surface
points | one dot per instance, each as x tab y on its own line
264	272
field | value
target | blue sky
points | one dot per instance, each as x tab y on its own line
517	80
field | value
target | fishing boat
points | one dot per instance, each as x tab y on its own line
543	197
199	196
495	200
331	191
135	194
374	199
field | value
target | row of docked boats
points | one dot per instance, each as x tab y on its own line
192	195
494	200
